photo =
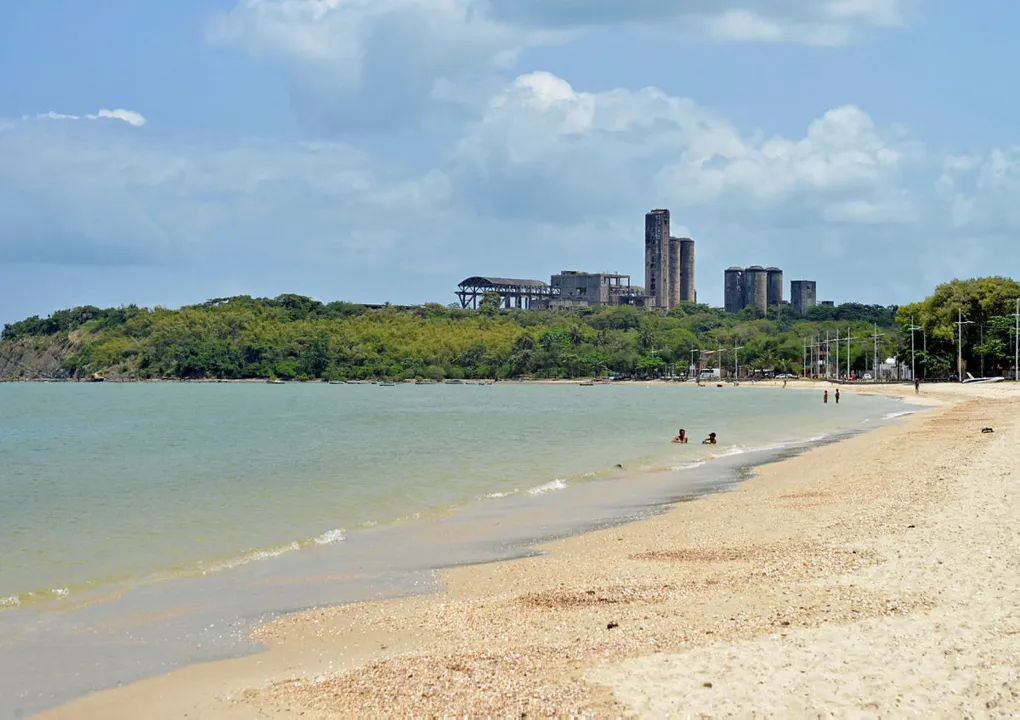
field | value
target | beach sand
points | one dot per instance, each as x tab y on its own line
876	577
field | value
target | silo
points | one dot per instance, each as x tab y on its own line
675	266
687	290
756	291
734	289
775	286
657	257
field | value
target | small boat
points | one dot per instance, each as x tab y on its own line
972	379
387	384
275	381
337	382
587	383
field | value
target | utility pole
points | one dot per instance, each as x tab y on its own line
913	328
1016	347
848	354
691	367
874	367
736	360
827	373
837	353
959	343
924	349
804	365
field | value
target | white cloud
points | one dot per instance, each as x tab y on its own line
370	65
97	194
131	117
982	192
547	149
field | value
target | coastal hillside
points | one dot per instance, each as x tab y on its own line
295	337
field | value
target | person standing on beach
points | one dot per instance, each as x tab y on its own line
917	386
837	396
825	397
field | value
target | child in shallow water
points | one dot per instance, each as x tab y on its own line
710	440
681	436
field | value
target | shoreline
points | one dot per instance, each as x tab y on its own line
634	470
300	644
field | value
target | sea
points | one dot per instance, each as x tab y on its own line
201	509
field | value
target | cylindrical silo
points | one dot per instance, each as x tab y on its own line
756	291
734	289
687	291
775	286
675	265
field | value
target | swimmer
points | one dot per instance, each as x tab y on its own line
681	437
837	396
825	397
710	440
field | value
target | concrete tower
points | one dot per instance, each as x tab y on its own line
775	286
803	295
734	287
756	291
657	257
688	293
675	275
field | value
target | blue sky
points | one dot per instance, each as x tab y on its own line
374	150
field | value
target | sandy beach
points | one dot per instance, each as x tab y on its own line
875	577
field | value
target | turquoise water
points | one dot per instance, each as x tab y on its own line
102	483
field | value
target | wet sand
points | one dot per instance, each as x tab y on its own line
877	576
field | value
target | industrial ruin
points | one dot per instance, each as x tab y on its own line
669	279
762	288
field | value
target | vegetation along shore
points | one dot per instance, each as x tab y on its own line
295	337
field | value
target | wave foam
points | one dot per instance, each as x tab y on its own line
10	602
548	487
329	537
253	557
502	494
894	415
688	466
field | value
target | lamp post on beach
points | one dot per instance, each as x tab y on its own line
913	328
837	353
848	339
1016	345
875	337
736	360
959	343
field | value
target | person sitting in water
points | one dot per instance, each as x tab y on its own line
710	440
681	437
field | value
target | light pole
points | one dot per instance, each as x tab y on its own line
1016	345
959	343
837	354
874	367
913	328
736	360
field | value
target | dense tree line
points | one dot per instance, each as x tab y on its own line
986	306
292	336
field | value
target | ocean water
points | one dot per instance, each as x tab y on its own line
113	483
144	527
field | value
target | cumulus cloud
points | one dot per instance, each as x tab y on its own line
982	192
131	117
547	150
370	65
110	193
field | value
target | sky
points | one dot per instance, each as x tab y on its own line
384	150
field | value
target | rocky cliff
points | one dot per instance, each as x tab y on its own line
38	358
